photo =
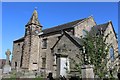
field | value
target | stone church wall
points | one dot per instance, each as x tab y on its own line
26	53
51	40
29	54
34	53
114	43
17	54
85	24
68	48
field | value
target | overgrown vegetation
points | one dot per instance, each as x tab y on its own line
94	52
38	78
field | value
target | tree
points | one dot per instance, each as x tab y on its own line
94	51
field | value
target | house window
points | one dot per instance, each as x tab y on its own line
43	62
58	50
15	64
18	45
111	54
44	43
83	33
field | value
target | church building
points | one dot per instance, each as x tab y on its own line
50	50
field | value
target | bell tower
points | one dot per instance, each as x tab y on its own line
31	43
33	26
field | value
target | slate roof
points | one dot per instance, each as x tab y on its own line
19	40
54	29
71	25
75	40
103	26
78	40
97	28
62	27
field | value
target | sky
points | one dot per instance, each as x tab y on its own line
15	16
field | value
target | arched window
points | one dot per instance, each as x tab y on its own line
83	33
44	43
111	54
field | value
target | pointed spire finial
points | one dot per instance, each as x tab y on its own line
35	8
35	14
109	21
90	16
34	18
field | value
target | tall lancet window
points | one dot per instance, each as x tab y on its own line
83	33
44	62
111	54
44	43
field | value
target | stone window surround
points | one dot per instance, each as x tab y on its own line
44	43
111	54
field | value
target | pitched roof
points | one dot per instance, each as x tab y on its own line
62	27
19	40
97	28
102	26
75	40
56	28
78	40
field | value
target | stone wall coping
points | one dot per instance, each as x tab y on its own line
87	66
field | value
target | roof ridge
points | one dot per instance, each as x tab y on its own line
66	23
62	26
102	24
19	39
96	28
